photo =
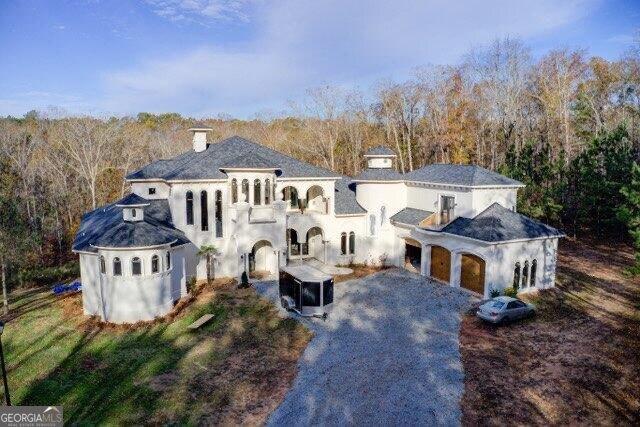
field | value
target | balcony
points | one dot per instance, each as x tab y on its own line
261	214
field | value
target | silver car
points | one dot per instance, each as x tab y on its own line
504	309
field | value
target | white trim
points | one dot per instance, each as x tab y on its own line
133	248
501	242
497	186
292	178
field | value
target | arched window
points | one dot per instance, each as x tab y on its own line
343	244
372	225
383	215
352	243
133	213
292	240
117	267
155	264
218	213
516	275
257	196
136	266
525	275
245	190
103	267
534	266
267	191
234	190
189	199
204	211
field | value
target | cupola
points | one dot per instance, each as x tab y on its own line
380	158
133	208
200	132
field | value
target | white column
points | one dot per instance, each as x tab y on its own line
425	262
456	265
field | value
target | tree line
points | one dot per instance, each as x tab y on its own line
567	124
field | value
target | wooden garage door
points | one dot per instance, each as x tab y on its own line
472	273
440	263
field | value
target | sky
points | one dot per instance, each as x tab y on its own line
204	58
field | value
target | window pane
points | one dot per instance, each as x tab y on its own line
189	201
234	190
352	243
343	243
257	196
103	268
516	275
154	264
534	265
245	190
218	213
168	260
117	267
267	192
204	211
136	267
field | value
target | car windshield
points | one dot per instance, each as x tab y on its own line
497	304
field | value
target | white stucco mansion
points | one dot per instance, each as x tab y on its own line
261	209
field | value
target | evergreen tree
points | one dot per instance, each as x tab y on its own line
629	213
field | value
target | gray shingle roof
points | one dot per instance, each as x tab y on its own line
148	232
498	224
250	161
467	175
382	174
207	164
345	198
132	200
410	216
380	151
101	221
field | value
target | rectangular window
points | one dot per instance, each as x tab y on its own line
152	190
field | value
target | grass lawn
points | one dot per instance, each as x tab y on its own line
576	362
235	369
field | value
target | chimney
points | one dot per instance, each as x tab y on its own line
200	137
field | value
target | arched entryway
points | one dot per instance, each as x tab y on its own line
440	263
315	199
314	243
472	273
262	259
412	255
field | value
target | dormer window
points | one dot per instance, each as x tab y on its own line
152	190
133	213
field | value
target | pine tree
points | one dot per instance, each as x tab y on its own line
629	213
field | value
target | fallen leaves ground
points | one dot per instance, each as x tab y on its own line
576	362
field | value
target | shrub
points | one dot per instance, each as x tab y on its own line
511	292
244	280
191	284
47	275
494	293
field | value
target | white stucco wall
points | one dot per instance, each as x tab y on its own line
128	298
141	188
483	198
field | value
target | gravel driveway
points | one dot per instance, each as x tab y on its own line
388	354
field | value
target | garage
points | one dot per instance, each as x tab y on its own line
412	255
440	263
472	273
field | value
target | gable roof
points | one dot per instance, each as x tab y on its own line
235	151
106	226
410	216
380	151
345	198
465	175
379	174
499	224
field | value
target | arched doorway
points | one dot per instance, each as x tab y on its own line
440	263
412	255
472	273
290	195
314	243
315	199
262	259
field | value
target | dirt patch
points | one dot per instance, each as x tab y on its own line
359	270
576	362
